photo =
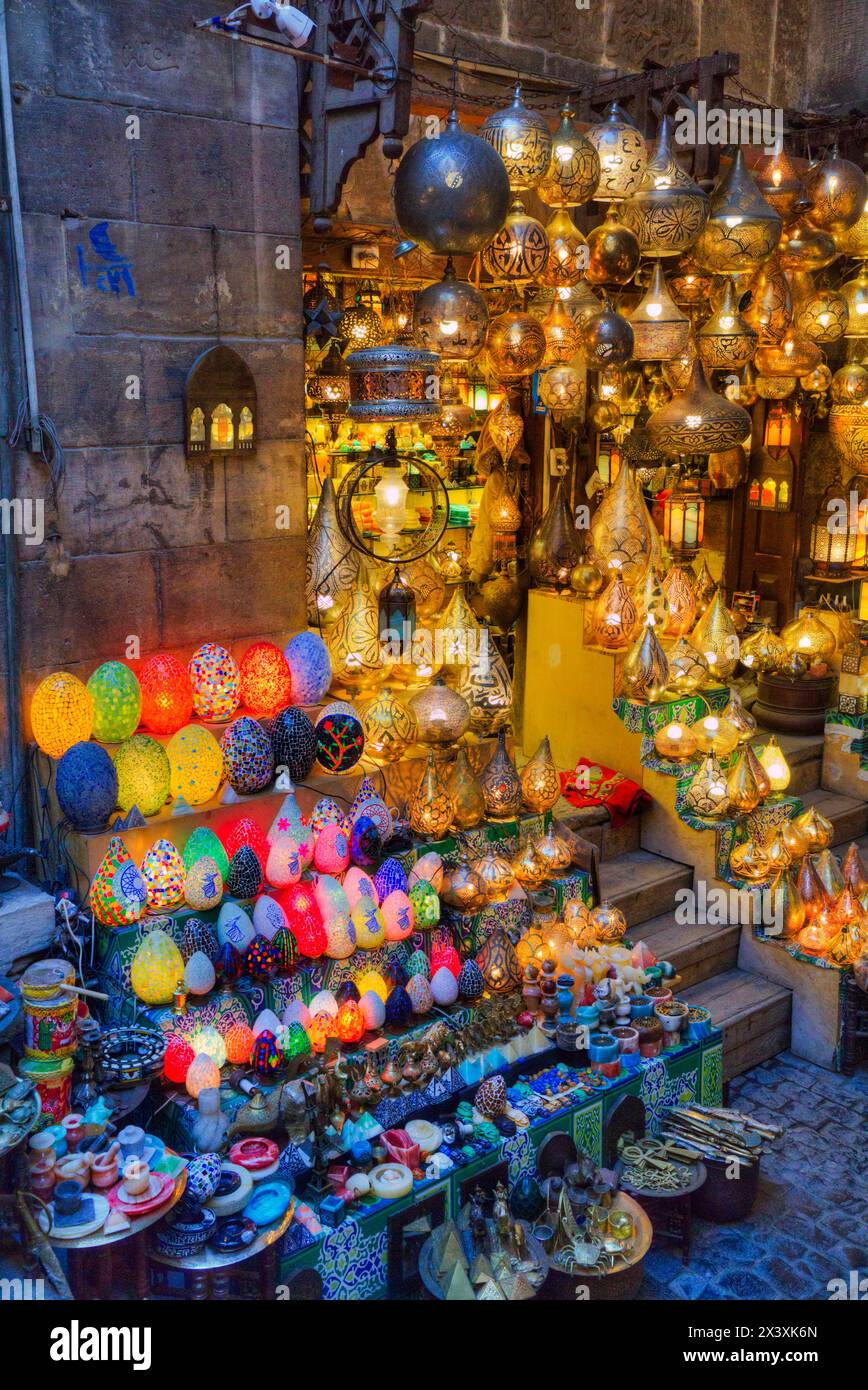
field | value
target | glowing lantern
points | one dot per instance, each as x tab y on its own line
369	925
310	667
244	879
203	1075
319	1030
167	695
157	968
210	1042
144	775
204	843
776	766
265	1057
293	1041
61	713
245	832
305	919
260	958
163	873
177	1060
118	894
372	982
266	685
196	764
350	1022
239	1044
445	957
117	702
216	682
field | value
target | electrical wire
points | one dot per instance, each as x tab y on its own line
52	455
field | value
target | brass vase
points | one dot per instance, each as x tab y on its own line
716	638
680	603
501	785
741	230
332	564
620	532
645	671
463	786
554	545
540	783
431	810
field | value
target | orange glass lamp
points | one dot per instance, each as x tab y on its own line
675	741
684	520
350	1022
608	457
266	684
778	433
167	694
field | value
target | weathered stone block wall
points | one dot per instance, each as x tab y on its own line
180	149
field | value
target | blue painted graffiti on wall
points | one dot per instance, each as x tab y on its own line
108	270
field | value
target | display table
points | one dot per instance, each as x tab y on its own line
210	1273
354	1258
624	1279
671	1213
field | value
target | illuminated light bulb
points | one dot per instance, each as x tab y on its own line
675	740
391	506
449	327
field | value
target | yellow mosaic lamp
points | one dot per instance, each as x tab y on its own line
540	783
715	636
157	968
645	670
61	713
196	763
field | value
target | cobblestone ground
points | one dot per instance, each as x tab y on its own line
810	1222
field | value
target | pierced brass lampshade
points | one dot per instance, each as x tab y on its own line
780	183
704	587
463	786
698	420
727	468
763	650
645	671
554	545
726	340
716	638
688	669
621	529
652	600
615	615
562	389
792	357
554	851
562	335
739	718
707	795
516	344
505	428
450	317
574	168
332	563
771	305
714	734
787	905
540	783
500	782
568	252
606	338
354	645
668	210
660	330
677	372
850	384
622	154
855	293
741	230
822	317
742	787
804	247
522	139
613	252
675	741
680	602
853	241
838	190
519	251
808	635
487	688
361	326
441	714
388	726
431	809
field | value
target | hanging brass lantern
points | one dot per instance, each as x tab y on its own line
818	381
850	384
606	338
361	326
660	330
451	194
329	387
727	468
645	671
567	252
804	247
486	686
707	795
848	431
822	317
838	190
519	251
388	726
502	597
505	428
562	335
715	636
771	303
680	602
726	340
562	390
855	294
615	615
742	786
622	154
540	783
332	565
678	371
613	252
780	183
431	809
463	786
742	230
793	356
853	241
808	635
668	210
450	317
503	511
516	344
501	786
688	669
697	420
689	285
441	714
522	139
574	167
554	545
621	529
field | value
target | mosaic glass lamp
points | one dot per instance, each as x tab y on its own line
61	713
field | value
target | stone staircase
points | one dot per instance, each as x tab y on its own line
753	1013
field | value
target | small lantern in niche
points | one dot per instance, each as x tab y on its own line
608	457
778	432
397	615
770	481
220	403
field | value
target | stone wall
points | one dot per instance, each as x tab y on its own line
179	149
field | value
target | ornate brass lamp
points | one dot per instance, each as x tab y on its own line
680	602
645	670
715	636
516	344
741	230
540	783
838	190
668	210
522	139
613	252
615	615
726	341
622	154
431	809
568	252
450	317
501	785
660	330
707	795
520	250
697	420
574	168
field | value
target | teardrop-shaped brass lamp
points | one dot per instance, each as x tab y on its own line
741	230
554	851
668	210
505	428
726	341
787	906
680	602
431	809
853	869
741	719
688	669
811	890
776	851
499	963
554	544
780	182
704	587
742	787
771	304
620	532
606	338
357	655
707	795
568	252
615	615
697	420
645	671
487	688
652	600
332	563
562	335
660	329
574	168
540	783
804	247
463	786
500	782
828	871
458	632
460	886
527	866
715	636
795	841
495	871
809	636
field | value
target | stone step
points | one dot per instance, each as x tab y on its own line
753	1013
849	815
593	824
697	951
642	885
